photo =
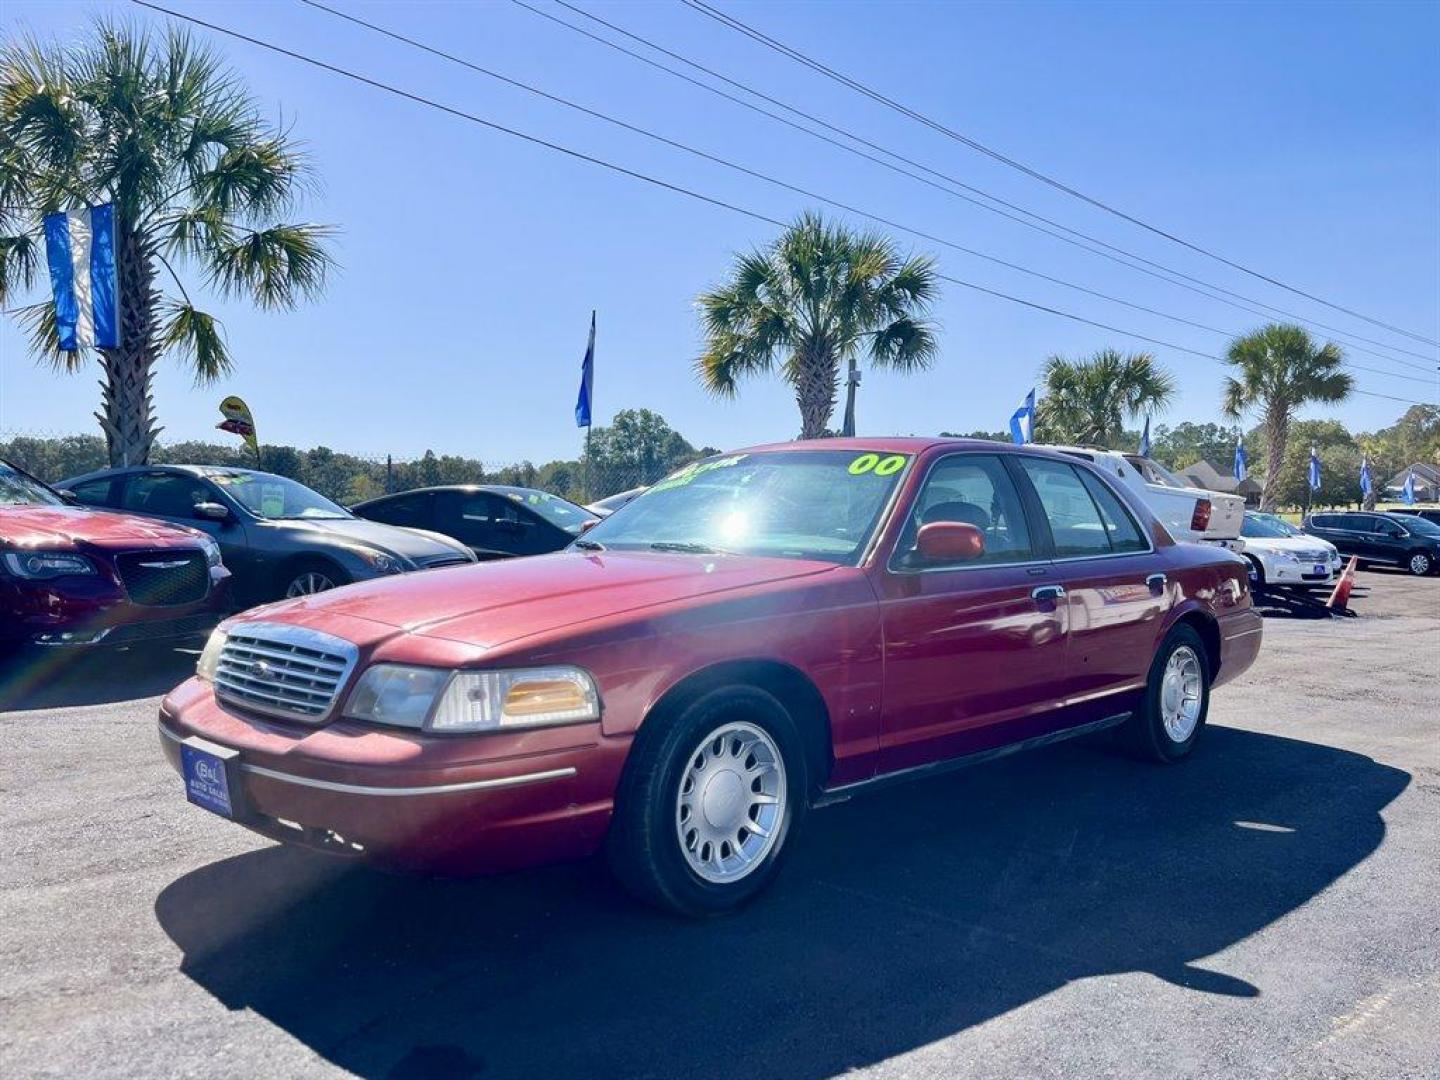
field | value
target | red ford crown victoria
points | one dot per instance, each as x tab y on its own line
758	634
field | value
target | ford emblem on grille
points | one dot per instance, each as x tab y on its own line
260	668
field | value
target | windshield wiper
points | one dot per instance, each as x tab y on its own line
588	545
689	549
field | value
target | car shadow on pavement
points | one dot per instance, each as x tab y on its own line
902	918
64	678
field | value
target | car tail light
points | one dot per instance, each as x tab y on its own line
1200	519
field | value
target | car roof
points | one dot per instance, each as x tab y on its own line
171	467
884	444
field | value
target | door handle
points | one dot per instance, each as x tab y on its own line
1042	593
1156	582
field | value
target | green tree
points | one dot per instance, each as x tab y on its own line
812	301
1187	442
1089	401
638	447
198	178
1279	369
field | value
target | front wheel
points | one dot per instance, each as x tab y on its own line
312	577
1420	563
708	802
1177	699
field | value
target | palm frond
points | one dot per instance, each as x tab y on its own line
277	267
38	322
906	345
198	339
19	264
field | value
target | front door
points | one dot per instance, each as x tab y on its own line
1116	596
974	651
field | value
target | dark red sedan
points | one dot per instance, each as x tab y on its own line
74	577
758	634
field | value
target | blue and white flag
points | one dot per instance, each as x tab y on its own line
1408	491
1145	439
1365	483
1314	470
1240	458
80	248
1022	423
587	380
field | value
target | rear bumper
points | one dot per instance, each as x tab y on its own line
1240	634
406	799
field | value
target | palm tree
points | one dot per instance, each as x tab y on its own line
816	297
166	133
1277	370
1089	401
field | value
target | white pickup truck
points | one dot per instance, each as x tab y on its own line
1190	513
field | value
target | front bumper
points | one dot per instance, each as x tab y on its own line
408	799
96	610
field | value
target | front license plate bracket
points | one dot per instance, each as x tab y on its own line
212	777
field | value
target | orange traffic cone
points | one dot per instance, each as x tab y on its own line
1341	594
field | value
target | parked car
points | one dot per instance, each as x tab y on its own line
279	538
608	505
495	521
1190	513
1282	556
80	577
764	632
1412	543
1430	514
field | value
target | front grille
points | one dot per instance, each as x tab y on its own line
282	670
169	629
1313	556
164	578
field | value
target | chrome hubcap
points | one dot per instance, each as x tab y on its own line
730	802
1419	564
307	583
1182	689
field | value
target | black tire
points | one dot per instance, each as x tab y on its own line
645	845
1257	574
297	572
1145	733
1420	563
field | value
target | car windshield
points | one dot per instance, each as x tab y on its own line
555	510
1419	525
1258	527
17	489
277	498
1154	472
799	504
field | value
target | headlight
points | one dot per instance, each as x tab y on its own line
211	549
379	561
39	565
462	702
210	655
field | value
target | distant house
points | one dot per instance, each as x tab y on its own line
1427	483
1204	474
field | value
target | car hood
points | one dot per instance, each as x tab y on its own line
492	603
391	539
1288	545
68	527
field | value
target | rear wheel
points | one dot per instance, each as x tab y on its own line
1257	574
1420	563
708	803
1177	699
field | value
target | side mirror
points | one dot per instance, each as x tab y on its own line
586	526
67	495
949	541
212	511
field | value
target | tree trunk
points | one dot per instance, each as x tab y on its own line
127	407
1277	431
816	382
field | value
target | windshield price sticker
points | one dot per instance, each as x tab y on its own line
700	468
888	465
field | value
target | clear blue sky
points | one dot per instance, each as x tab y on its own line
1301	139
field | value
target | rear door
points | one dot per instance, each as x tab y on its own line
1115	592
1386	539
974	650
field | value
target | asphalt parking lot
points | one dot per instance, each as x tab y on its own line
1269	908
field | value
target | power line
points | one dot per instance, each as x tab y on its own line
633	174
726	163
737	25
1102	248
